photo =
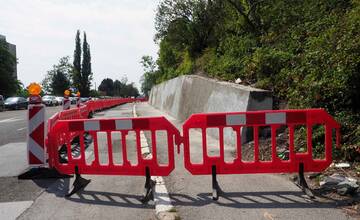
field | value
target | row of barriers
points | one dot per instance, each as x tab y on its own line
117	131
37	140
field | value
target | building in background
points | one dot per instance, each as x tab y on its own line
12	50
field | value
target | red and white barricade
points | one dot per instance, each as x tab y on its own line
78	102
66	103
36	135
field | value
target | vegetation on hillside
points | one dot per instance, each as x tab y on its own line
8	83
306	52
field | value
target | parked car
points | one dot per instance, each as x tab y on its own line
72	100
2	106
84	99
60	100
49	100
16	103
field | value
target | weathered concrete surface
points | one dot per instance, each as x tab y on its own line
186	95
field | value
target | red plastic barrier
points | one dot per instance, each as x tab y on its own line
88	107
59	136
98	105
52	121
81	113
256	120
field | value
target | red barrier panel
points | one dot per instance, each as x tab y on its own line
80	113
90	106
59	136
256	120
52	121
283	121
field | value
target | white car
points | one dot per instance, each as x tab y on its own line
60	100
49	100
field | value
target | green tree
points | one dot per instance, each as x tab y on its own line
59	74
148	80
118	86
8	84
59	83
188	24
21	90
248	11
76	76
131	90
107	86
307	53
94	93
86	72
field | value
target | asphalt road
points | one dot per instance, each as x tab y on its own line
13	124
17	195
106	197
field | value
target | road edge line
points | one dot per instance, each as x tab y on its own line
163	206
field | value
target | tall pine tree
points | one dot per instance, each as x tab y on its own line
77	79
86	73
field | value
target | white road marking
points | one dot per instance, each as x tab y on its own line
10	120
161	196
20	129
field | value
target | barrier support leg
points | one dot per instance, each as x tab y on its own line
79	183
216	190
149	184
301	182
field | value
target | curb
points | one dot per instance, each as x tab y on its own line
164	210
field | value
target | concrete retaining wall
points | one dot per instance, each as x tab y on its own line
186	95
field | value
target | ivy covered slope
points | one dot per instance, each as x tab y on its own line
306	52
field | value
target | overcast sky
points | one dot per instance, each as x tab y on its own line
119	33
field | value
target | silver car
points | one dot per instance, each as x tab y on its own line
60	100
49	100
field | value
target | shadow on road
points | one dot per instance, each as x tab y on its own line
110	199
278	199
59	187
246	200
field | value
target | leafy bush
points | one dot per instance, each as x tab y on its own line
306	52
